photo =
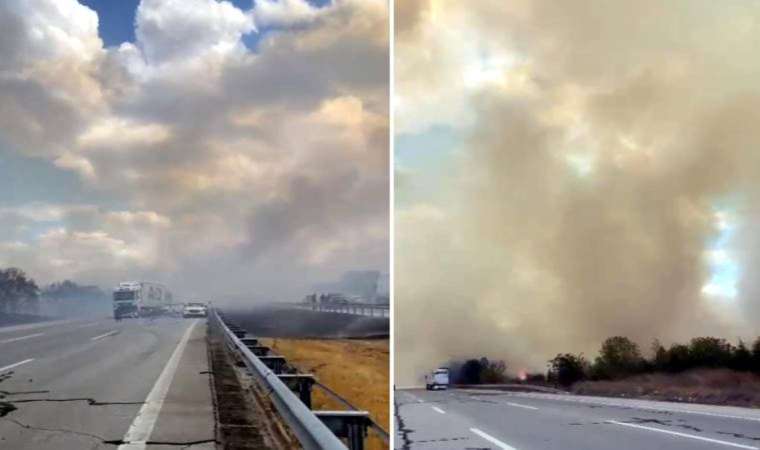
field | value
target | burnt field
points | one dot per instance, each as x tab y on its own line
286	322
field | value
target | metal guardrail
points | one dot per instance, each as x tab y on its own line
359	309
310	431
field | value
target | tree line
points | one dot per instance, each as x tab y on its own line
619	357
20	293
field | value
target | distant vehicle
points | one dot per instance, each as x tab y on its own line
140	299
195	310
337	298
438	379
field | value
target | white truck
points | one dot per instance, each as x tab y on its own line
439	378
140	299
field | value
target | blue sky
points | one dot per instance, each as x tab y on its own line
49	184
117	18
427	160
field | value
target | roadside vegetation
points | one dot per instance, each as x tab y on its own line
21	298
704	370
621	358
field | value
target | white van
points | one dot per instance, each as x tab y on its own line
438	379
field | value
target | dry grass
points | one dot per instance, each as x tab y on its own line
358	370
709	386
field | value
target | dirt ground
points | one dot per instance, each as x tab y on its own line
711	386
358	370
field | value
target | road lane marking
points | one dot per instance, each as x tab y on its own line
517	405
88	325
110	333
415	398
492	439
142	426
3	369
28	336
683	435
28	326
438	410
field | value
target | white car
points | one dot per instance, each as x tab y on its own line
439	379
195	310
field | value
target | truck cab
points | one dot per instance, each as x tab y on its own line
438	379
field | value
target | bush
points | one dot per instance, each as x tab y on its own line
618	357
755	364
678	358
479	371
709	352
566	369
741	358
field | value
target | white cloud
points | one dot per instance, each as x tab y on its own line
283	12
76	163
41	29
203	157
171	30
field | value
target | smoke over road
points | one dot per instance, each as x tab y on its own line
607	173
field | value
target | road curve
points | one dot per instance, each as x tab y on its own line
91	384
460	419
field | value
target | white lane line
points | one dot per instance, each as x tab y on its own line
438	410
415	398
88	325
683	435
3	369
110	333
142	426
28	326
28	336
517	405
492	439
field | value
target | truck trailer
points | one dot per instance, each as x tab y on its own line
140	299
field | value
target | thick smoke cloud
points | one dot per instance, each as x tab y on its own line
600	140
226	171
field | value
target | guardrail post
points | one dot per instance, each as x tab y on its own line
349	425
259	350
250	341
275	363
301	384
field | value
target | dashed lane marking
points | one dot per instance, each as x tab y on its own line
683	435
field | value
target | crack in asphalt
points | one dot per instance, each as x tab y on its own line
90	401
739	435
403	432
52	430
7	393
665	423
114	442
6	408
182	444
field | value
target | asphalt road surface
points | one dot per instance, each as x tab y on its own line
97	384
459	419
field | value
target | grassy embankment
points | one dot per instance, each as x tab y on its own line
709	386
358	370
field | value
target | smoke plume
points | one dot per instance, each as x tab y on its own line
605	147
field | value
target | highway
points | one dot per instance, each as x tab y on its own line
91	384
468	419
356	309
